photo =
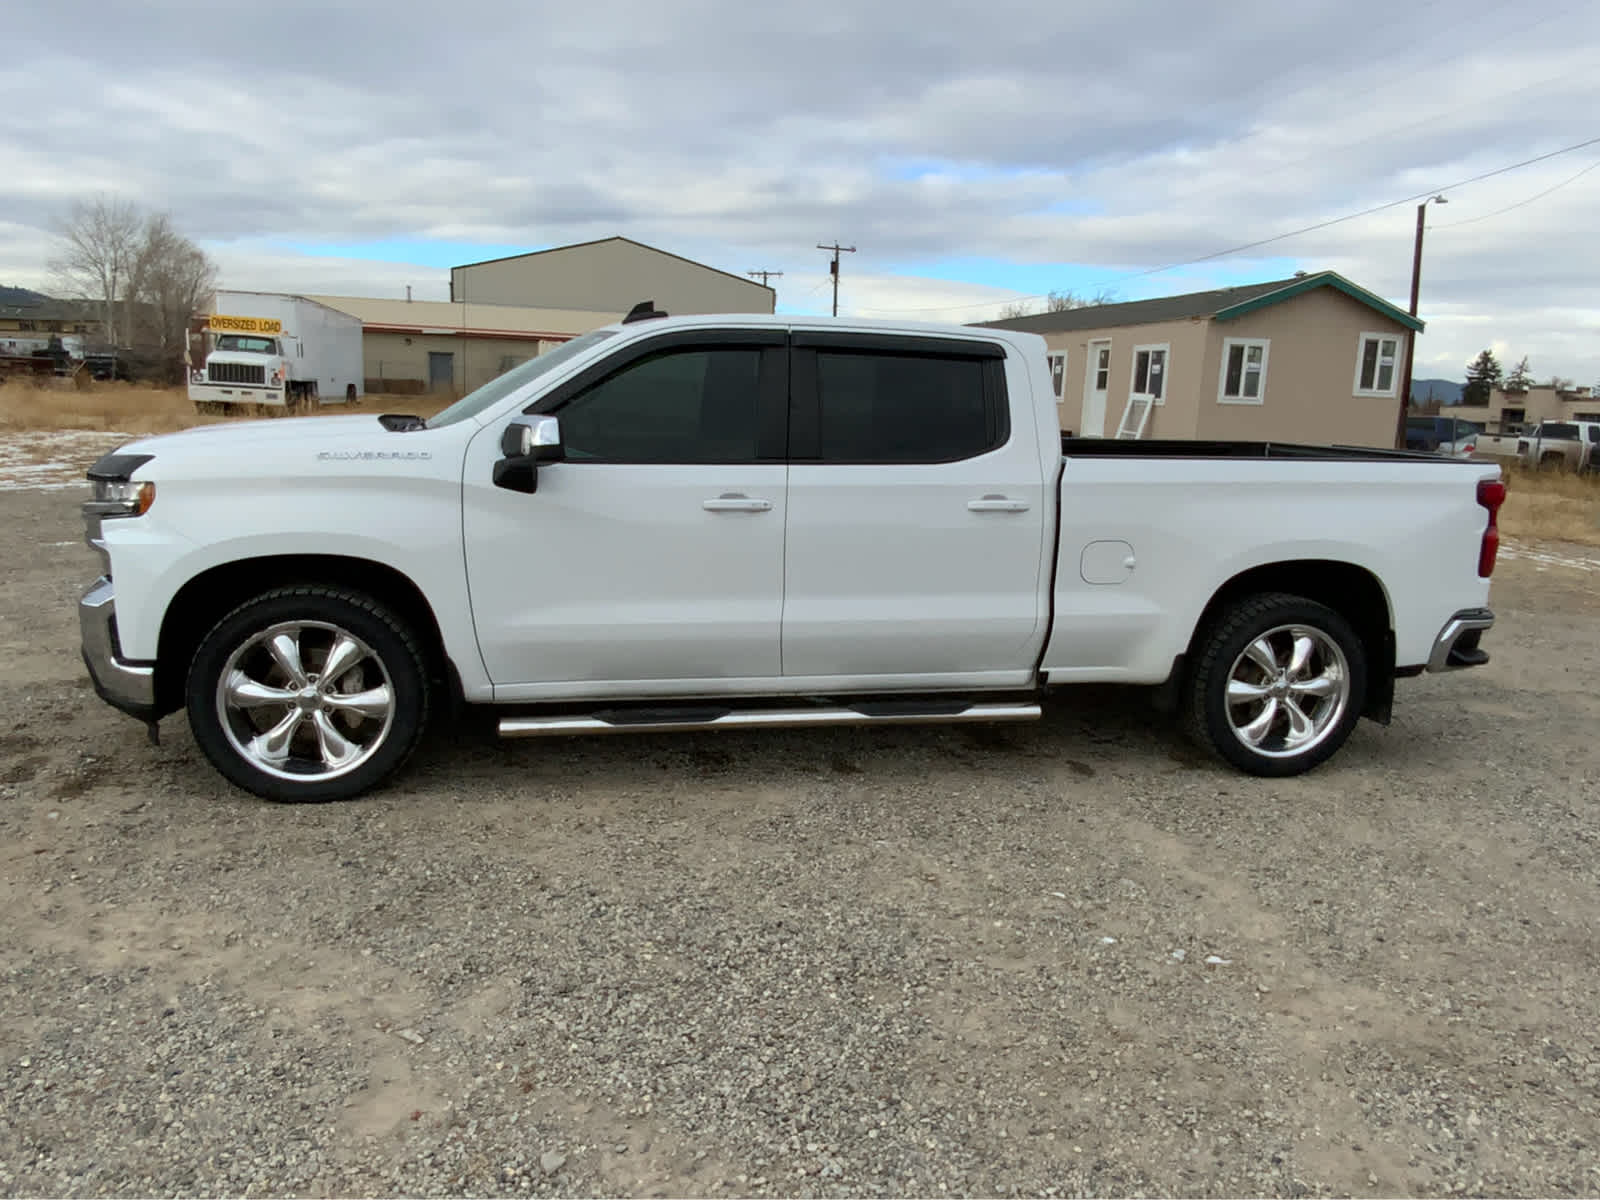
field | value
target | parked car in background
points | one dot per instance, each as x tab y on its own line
1442	435
1574	445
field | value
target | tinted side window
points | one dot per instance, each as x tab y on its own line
695	405
904	408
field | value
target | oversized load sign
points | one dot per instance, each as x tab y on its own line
223	324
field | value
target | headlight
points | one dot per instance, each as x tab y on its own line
121	498
197	376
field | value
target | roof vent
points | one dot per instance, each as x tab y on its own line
1299	274
645	310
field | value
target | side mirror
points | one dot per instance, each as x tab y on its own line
538	439
524	445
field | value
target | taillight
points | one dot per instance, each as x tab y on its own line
1491	494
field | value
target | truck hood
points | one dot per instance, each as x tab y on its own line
244	438
239	356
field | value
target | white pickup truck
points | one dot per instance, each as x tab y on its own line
731	522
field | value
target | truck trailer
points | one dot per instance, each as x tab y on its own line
278	351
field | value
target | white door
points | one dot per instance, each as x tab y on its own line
915	530
655	551
1096	383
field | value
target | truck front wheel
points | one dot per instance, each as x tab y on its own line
1278	684
308	694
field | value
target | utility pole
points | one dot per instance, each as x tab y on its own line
1411	338
833	269
764	275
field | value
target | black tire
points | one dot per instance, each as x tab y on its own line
1211	720
389	670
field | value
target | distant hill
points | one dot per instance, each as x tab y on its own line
1445	391
16	295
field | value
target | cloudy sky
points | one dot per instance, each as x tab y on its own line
973	152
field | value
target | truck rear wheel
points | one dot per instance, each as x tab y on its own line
1278	683
308	694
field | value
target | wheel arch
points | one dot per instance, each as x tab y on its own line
1352	591
205	599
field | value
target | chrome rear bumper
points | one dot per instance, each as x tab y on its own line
129	686
1457	643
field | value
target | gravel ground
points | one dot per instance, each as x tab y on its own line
1059	959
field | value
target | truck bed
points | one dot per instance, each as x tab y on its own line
1077	447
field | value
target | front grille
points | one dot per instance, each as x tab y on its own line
236	373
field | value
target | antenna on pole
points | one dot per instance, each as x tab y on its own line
833	269
764	276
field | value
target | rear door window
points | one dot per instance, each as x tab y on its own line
882	406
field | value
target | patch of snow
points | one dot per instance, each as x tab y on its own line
51	460
1544	558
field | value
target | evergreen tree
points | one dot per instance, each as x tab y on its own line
1482	376
1520	379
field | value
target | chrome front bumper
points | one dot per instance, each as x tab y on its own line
1457	643
122	684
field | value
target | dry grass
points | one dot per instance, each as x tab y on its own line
138	408
1551	506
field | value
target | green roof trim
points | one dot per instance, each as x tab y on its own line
1321	279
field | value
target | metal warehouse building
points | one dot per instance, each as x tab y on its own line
611	276
435	346
506	310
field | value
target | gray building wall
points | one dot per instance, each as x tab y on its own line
398	362
608	276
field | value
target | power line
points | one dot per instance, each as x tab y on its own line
764	275
1520	203
1366	212
1279	237
833	269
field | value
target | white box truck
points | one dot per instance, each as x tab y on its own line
263	348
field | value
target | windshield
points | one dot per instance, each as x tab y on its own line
241	344
501	386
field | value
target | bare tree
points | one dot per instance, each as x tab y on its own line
1066	300
145	277
100	242
171	278
1057	301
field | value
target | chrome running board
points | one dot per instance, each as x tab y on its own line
659	720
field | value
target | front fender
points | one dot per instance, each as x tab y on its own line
196	527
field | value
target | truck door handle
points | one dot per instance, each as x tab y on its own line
736	502
997	503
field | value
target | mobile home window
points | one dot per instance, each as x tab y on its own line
1150	372
1375	365
1244	371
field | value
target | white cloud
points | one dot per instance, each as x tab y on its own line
1118	135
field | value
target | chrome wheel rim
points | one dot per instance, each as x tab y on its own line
305	700
1287	691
